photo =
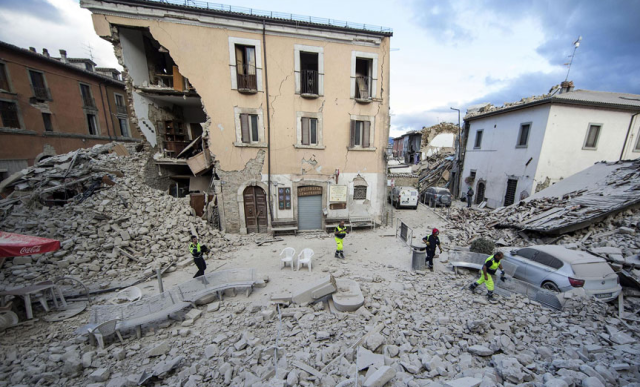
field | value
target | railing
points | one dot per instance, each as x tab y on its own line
309	82
42	93
120	109
363	87
247	81
88	102
275	15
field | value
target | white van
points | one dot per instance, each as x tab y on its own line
403	197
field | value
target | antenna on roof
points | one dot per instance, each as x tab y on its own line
89	49
576	44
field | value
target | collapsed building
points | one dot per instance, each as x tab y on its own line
239	109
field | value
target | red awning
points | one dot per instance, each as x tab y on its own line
13	245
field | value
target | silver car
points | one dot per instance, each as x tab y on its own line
559	269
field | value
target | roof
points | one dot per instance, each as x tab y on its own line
569	256
108	69
203	7
623	101
81	60
59	63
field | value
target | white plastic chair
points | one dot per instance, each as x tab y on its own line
308	253
289	253
100	331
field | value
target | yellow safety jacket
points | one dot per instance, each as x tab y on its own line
341	231
195	250
492	265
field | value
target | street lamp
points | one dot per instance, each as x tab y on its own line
459	151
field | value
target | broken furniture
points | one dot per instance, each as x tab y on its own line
7	317
289	254
348	297
130	294
15	245
98	333
37	291
306	260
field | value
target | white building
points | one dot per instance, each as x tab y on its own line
514	151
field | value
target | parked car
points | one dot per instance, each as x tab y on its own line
559	269
403	197
436	196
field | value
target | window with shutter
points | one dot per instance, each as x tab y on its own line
366	134
305	131
352	141
244	124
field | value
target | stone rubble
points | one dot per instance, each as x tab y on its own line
117	235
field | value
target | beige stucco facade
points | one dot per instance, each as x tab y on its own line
202	46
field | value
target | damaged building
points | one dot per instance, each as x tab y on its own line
514	151
284	120
53	105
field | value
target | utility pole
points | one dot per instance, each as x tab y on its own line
459	150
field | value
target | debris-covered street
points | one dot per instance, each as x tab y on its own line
415	328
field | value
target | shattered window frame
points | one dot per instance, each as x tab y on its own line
88	120
592	145
17	119
520	143
477	144
5	79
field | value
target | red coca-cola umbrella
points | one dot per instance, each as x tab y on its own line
13	245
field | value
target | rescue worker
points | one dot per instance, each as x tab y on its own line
196	249
340	232
470	194
491	265
432	241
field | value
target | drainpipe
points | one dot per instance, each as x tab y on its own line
627	136
106	119
266	81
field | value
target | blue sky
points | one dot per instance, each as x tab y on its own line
446	54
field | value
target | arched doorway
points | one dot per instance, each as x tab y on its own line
480	192
255	209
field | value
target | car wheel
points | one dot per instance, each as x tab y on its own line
550	286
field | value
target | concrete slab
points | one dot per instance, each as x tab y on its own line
348	297
316	291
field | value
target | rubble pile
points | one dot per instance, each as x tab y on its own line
399	338
437	172
112	226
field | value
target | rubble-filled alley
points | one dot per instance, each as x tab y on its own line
414	328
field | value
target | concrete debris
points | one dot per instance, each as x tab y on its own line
113	228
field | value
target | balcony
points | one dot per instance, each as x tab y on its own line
309	84
42	93
89	102
121	109
247	82
363	89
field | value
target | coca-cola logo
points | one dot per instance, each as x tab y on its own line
30	250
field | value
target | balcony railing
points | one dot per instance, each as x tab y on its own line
363	87
89	102
120	109
42	93
309	82
248	81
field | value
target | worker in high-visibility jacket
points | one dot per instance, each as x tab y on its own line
196	250
340	232
491	265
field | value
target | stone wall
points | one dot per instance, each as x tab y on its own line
231	181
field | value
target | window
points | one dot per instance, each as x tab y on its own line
637	148
124	127
364	75
9	114
360	192
309	131
246	67
39	85
88	66
523	137
284	198
249	124
4	78
510	194
591	142
547	260
92	124
309	70
46	118
478	142
121	107
472	174
527	253
87	98
360	134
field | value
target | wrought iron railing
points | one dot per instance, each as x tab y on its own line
363	87
121	109
248	79
275	15
309	82
42	93
88	102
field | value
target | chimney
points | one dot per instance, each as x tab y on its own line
566	87
63	56
32	49
45	52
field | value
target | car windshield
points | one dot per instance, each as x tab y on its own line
593	269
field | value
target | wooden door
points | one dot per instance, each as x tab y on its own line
255	210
